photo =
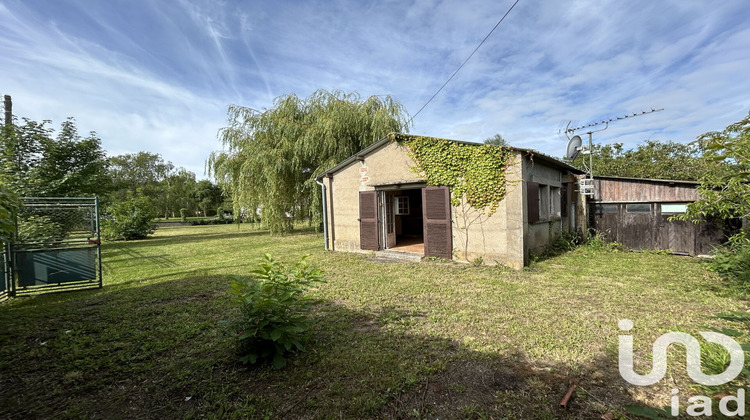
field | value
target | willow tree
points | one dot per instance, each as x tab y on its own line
271	157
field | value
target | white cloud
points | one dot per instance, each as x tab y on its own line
152	76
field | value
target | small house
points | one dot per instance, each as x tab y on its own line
383	198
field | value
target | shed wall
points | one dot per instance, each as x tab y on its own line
629	190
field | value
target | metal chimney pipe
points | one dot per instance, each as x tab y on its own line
8	110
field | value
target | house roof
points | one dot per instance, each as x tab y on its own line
391	137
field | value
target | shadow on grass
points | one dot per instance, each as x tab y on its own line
163	351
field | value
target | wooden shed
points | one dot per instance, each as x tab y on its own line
636	212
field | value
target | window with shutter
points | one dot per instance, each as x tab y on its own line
436	210
532	201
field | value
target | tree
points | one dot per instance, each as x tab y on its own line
208	196
71	165
496	140
8	206
725	194
177	192
725	183
653	159
142	170
20	149
169	188
32	163
273	156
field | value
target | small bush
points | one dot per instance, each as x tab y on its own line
204	222
183	214
273	310
597	242
733	260
129	219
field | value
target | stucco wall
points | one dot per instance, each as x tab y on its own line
387	165
539	234
497	238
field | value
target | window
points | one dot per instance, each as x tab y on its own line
544	202
532	201
402	205
674	208
638	208
606	208
554	202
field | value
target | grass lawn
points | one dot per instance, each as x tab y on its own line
429	340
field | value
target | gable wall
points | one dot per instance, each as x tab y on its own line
389	164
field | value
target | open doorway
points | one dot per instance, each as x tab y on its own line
403	228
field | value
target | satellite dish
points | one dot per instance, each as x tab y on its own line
574	148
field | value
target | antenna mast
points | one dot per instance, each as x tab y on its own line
586	185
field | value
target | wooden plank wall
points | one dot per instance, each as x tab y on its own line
631	190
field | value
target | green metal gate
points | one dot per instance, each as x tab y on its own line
57	246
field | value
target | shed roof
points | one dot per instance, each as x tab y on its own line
664	181
391	137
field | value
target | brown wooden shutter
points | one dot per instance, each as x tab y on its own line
436	210
368	220
532	201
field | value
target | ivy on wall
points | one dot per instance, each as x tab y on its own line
473	171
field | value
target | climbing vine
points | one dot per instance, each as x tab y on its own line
473	171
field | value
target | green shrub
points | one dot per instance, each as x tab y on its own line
596	241
129	219
183	214
273	308
205	222
733	260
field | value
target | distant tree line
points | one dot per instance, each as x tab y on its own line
652	159
37	161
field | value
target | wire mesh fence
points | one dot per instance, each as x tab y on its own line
57	246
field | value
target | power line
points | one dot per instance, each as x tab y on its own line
464	63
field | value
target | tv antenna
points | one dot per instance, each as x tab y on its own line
575	147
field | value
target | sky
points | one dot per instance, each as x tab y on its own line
158	75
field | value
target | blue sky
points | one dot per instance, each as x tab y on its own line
158	75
